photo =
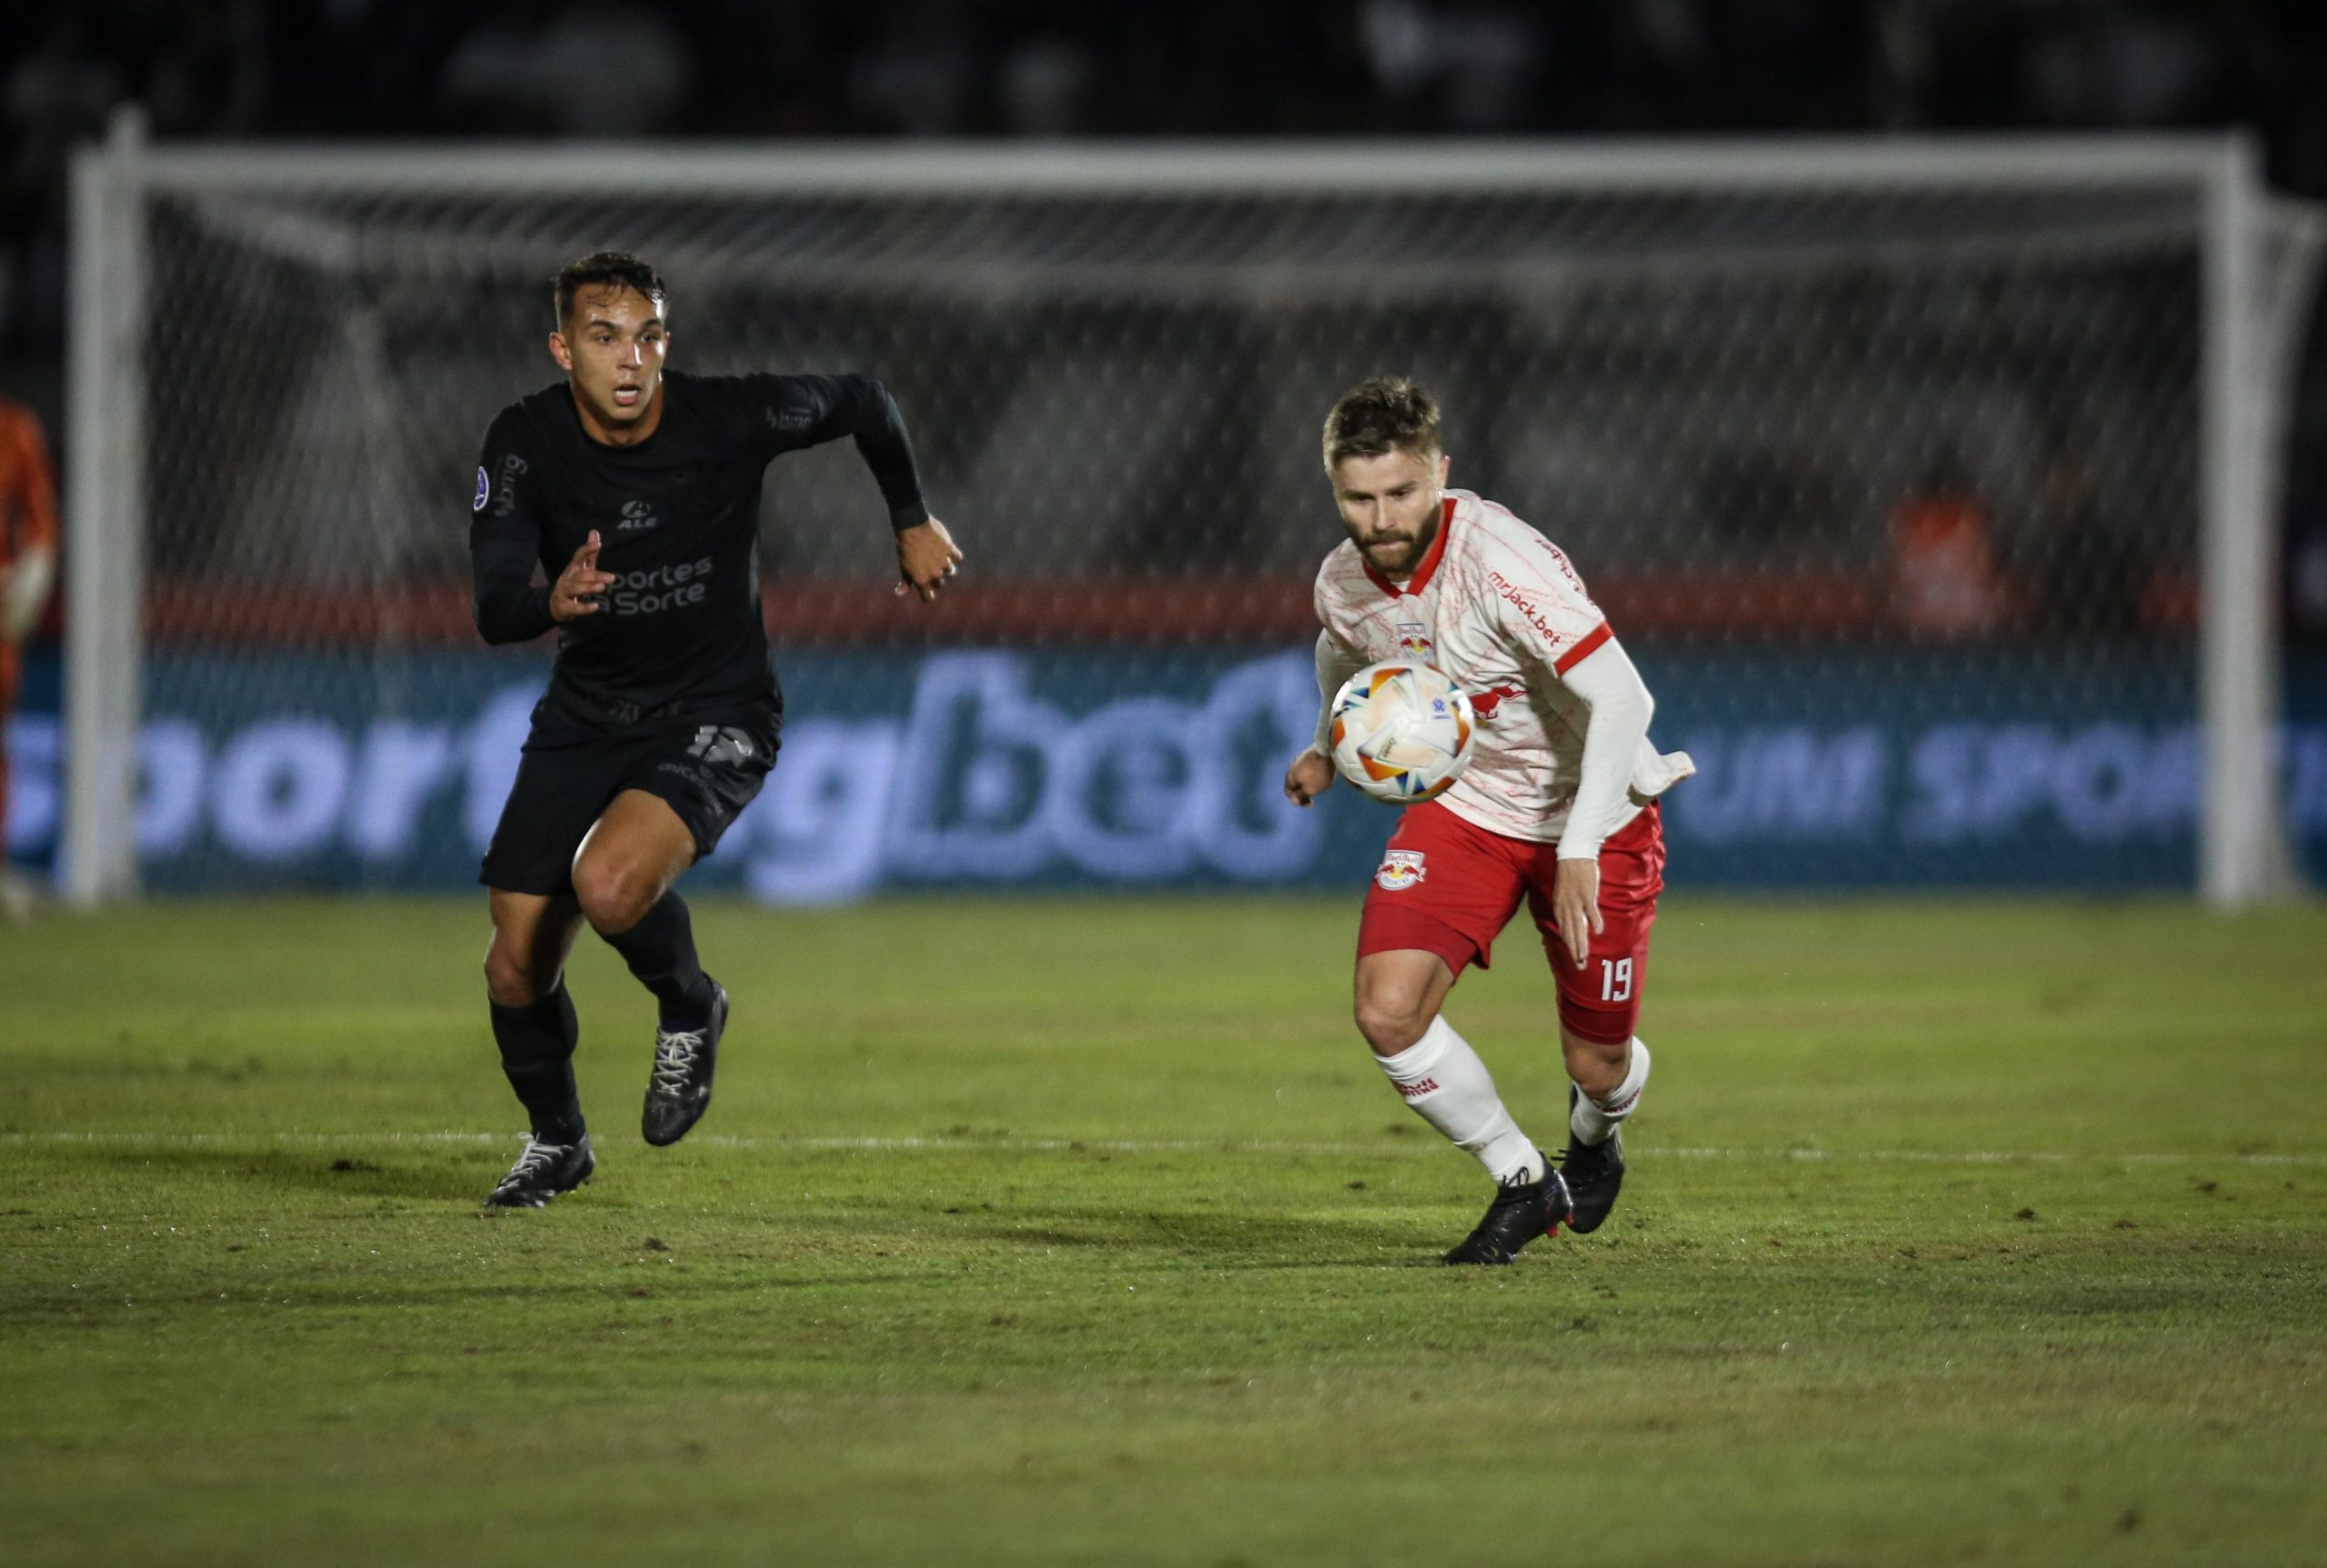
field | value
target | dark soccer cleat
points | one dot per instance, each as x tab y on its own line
1521	1212
541	1172
680	1091
1595	1174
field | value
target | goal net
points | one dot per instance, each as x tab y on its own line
1928	484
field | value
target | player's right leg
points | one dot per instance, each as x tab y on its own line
17	897
1443	891
534	1028
564	777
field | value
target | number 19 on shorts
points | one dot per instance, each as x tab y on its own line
1615	980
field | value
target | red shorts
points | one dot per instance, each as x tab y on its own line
1449	887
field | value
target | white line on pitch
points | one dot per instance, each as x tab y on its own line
1001	1142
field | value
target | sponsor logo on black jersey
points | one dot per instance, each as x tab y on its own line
716	743
636	515
484	490
787	419
651	590
504	487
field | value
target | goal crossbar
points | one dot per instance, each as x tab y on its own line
2243	853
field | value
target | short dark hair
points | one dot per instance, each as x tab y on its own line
604	269
1386	414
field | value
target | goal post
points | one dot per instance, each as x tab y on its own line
105	518
1820	319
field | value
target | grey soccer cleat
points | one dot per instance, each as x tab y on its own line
541	1172
679	1093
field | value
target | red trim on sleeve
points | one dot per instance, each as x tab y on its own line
1430	560
1583	650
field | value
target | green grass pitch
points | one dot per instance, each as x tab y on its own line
1082	1232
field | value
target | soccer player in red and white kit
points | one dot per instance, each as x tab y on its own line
1558	807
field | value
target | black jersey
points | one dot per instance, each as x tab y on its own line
677	516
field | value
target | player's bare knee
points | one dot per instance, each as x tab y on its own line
509	978
1596	1066
1391	1022
614	896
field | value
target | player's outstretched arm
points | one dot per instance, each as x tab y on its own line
24	585
1620	709
926	557
801	411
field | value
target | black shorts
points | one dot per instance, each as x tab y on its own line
708	766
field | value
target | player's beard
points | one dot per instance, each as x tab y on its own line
1412	550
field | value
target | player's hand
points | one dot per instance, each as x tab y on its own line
926	556
1311	775
1575	906
575	592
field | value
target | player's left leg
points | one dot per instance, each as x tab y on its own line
9	665
678	796
16	898
622	879
1599	1007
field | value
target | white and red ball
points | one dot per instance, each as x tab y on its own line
1402	731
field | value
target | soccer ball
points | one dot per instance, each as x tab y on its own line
1402	731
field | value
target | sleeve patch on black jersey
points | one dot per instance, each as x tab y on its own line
483	491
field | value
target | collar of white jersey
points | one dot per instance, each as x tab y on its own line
1428	569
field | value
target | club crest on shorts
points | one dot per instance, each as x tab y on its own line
1400	869
483	491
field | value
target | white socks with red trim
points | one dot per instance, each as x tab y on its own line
1593	1120
1446	1085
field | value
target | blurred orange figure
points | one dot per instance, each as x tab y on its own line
1945	581
27	561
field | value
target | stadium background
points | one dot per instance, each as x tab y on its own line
1754	473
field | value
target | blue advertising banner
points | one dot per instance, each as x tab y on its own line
1007	768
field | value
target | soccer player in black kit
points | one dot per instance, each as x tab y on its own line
636	491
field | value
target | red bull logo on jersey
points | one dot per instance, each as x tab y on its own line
1400	869
1484	703
1414	639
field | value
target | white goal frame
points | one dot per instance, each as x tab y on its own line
2249	346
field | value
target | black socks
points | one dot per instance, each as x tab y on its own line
537	1040
659	951
537	1044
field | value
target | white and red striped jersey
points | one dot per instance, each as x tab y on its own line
1497	607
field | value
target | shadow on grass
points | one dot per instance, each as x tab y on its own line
1220	1241
1253	1239
351	1174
